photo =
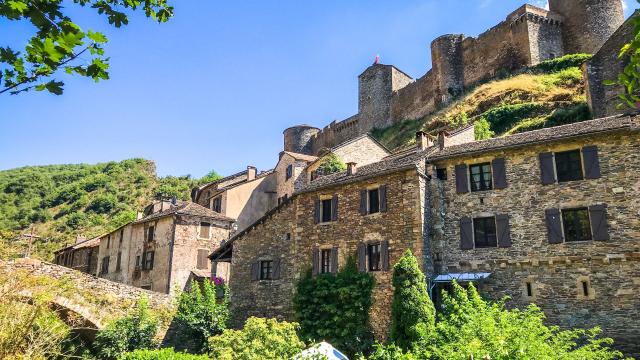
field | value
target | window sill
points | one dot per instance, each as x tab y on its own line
577	242
480	191
373	215
326	223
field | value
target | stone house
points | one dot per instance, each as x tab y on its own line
81	256
547	216
290	173
164	249
244	196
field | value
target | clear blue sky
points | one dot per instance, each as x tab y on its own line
215	87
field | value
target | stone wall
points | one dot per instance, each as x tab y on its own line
554	270
606	65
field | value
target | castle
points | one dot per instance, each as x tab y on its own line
546	217
529	35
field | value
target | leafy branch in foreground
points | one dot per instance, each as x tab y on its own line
61	45
629	79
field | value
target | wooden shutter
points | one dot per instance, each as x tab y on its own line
383	198
363	202
554	226
547	174
462	183
591	162
202	258
255	271
504	231
334	260
276	269
316	211
384	254
315	258
362	257
499	173
334	208
466	233
599	225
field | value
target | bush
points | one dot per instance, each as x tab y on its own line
103	204
561	63
482	130
259	339
161	354
335	308
412	312
330	164
76	220
502	118
133	332
200	316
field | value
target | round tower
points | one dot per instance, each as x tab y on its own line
447	63
588	23
297	139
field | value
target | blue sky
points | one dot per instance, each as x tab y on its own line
215	87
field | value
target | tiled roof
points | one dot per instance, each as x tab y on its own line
303	157
584	128
186	208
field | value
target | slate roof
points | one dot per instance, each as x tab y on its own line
551	134
83	244
185	208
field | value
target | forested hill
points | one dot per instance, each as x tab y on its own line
61	202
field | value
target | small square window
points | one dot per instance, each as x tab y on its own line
484	232
289	171
481	177
373	254
441	173
374	201
325	261
325	211
288	236
151	233
266	270
576	224
569	165
204	230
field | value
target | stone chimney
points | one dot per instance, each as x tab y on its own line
442	139
351	168
422	140
251	173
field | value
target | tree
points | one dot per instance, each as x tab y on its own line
59	43
330	164
200	315
210	177
482	130
629	79
412	312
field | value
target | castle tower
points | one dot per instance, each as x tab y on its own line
588	23
375	89
298	139
447	64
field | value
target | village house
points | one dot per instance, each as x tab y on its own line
81	256
547	217
164	249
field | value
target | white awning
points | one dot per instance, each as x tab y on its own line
461	277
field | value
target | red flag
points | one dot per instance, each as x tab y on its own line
377	61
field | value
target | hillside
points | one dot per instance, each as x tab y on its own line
61	202
551	93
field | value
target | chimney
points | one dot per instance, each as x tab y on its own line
351	168
251	173
442	139
422	140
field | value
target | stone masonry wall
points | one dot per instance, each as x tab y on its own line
611	267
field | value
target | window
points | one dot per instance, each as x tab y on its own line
138	262
441	173
288	236
108	241
373	254
325	261
105	265
529	289
202	259
148	260
484	232
121	237
204	230
585	288
151	233
119	261
217	204
266	270
576	224
480	177
325	211
374	201
289	171
568	166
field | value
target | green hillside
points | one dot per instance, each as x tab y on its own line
551	93
61	202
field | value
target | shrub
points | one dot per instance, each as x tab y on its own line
103	204
579	112
502	118
482	130
412	312
76	220
200	316
330	164
388	352
335	308
133	332
259	339
561	63
160	354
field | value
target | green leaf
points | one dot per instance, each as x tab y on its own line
97	37
54	87
18	6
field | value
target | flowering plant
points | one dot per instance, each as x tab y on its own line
217	281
